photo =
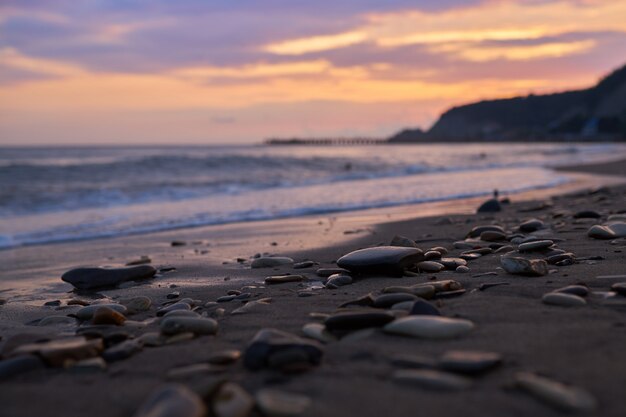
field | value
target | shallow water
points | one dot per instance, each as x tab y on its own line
59	194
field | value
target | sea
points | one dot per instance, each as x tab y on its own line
57	194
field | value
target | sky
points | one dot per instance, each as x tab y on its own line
239	71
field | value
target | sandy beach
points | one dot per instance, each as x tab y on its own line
358	375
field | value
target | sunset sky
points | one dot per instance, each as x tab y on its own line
232	71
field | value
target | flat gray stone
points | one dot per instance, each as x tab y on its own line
386	260
90	278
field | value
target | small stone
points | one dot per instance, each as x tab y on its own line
77	302
326	272
504	249
106	315
387	300
54	303
554	259
421	307
197	326
444	285
19	365
386	260
531	225
579	290
226	298
181	313
461	269
173	295
151	339
57	320
366	300
176	306
89	278
137	304
231	401
281	279
469	362
430	266
429	327
521	266
252	306
403	241
274	403
142	260
270	261
432	254
172	401
224	357
87	313
478	230
587	214
492	236
452	263
58	352
556	394
535	245
490	206
563	299
619	287
338	280
420	290
431	379
269	342
318	332
357	320
304	264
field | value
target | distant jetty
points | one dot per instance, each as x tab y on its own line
327	141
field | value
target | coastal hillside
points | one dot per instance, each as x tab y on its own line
597	113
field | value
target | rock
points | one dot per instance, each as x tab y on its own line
338	280
77	302
87	313
367	300
478	230
106	315
172	307
231	400
385	260
226	298
224	357
318	332
535	245
357	320
429	327
173	295
387	300
172	401
490	206
619	287
181	313
521	266
556	394
326	272
611	230
531	225
304	264
197	326
19	365
492	236
432	254
579	290
563	299
178	243
54	303
252	306
274	403
136	304
431	379
268	343
445	285
403	242
469	362
462	269
281	279
270	261
423	308
122	351
57	320
420	290
140	261
504	249
430	266
58	352
452	263
555	259
89	278
587	214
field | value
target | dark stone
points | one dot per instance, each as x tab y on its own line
304	264
531	225
366	300
267	343
226	298
478	230
385	260
579	290
89	278
554	259
387	300
172	295
421	307
357	320
490	206
403	241
469	362
619	287
587	214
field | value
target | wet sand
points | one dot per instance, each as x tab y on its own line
582	346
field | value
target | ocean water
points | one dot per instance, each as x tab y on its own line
58	194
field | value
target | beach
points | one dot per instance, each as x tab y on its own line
578	346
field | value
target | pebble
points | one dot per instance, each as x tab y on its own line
231	400
556	394
106	315
387	300
173	295
281	279
579	290
403	241
87	313
140	261
137	304
420	290
338	280
531	225
469	362
445	285
326	272
122	351
462	269
268	343
504	249
19	365
521	266
176	306
181	313
587	214
172	401
195	325
430	266
619	287
478	230
58	352
431	379
226	298
318	332
57	320
151	339
490	206
304	264
452	263
366	300
492	236
274	403
77	302
423	308
535	245
432	254
252	305
609	231
54	303
555	259
270	261
89	278
430	327
563	299
386	260
357	320
224	357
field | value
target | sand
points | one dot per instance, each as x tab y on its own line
580	346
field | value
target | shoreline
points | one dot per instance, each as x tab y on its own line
578	346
